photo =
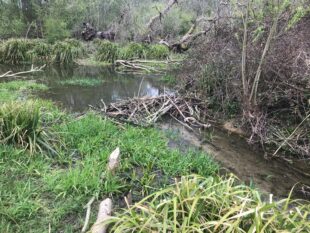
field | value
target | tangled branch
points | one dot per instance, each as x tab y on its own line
148	110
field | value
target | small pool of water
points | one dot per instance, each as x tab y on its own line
108	85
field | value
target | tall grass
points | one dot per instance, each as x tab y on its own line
14	51
23	124
106	51
41	52
198	204
109	52
143	51
65	52
18	51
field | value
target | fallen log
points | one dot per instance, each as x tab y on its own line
135	65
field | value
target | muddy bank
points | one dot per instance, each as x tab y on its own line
236	156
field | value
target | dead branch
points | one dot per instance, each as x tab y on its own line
161	14
33	69
148	110
289	137
136	65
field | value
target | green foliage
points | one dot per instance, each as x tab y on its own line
106	51
21	124
198	204
169	79
56	29
65	52
300	12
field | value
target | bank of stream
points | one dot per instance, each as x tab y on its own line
78	88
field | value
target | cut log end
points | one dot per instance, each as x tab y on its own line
114	160
104	213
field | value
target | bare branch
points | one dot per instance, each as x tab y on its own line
33	69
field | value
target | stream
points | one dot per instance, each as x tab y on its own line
231	151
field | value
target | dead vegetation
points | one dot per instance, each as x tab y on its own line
258	73
189	111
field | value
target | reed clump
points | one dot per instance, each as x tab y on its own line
24	124
65	52
106	51
21	51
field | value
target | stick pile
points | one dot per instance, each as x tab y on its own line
148	110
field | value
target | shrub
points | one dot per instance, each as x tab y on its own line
22	124
198	204
106	51
56	29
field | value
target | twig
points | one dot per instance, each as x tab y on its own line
88	206
288	138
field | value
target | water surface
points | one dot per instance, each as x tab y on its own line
115	86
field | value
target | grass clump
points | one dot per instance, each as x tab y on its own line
157	51
199	204
143	51
19	51
133	51
15	51
22	124
109	52
106	51
41	52
65	52
84	82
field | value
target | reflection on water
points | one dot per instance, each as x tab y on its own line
115	86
